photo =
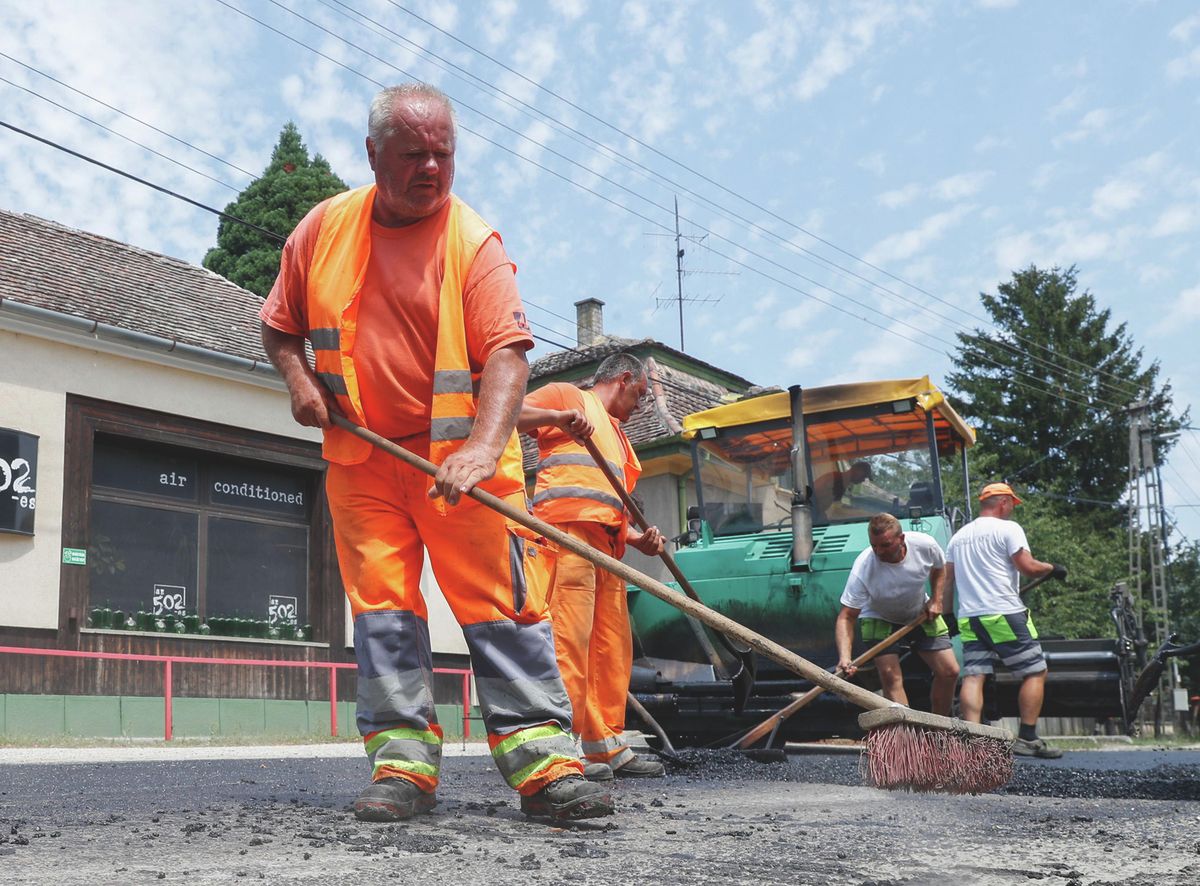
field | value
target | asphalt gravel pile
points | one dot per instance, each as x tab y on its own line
1031	777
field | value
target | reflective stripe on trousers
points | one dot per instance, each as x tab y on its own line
382	521
515	673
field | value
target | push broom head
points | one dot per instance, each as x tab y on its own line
914	751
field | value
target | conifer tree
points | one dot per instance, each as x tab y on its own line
1049	386
291	185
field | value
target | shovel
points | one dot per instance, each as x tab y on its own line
743	678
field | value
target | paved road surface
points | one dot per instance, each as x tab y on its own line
164	817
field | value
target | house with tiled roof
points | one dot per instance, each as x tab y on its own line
679	385
157	498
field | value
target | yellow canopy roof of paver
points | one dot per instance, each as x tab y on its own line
836	397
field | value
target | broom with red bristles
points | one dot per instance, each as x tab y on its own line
905	749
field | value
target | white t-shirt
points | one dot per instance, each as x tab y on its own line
894	592
986	581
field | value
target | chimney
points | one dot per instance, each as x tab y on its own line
589	322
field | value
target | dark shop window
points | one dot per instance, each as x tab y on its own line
191	542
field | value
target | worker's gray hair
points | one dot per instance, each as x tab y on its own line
379	121
883	524
992	500
613	367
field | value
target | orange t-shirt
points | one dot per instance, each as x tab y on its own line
398	313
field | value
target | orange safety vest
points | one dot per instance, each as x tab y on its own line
335	279
570	487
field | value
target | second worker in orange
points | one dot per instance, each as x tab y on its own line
588	607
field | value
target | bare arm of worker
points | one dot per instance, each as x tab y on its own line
1029	566
312	402
572	421
501	388
650	542
937	590
843	637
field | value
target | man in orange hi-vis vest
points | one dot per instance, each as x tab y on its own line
588	605
411	308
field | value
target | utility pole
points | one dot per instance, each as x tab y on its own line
1146	496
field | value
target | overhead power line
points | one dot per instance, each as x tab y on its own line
861	318
112	131
742	197
126	114
142	181
1098	401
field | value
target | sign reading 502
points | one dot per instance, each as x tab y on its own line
18	481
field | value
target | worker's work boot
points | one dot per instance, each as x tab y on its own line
1035	748
640	767
567	799
392	799
597	771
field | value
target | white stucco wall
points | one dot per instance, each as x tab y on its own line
36	375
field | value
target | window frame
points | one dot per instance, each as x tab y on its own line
87	417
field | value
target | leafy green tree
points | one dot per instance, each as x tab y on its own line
291	185
1184	605
1049	386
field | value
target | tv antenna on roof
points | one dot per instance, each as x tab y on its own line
681	272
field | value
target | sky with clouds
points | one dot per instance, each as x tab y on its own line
812	147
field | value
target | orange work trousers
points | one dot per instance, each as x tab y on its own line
592	639
383	522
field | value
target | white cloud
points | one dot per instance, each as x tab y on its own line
569	9
1115	196
1184	66
906	244
997	4
958	187
1096	122
898	197
846	43
874	163
989	143
1183	30
1014	251
1067	104
1177	219
1182	312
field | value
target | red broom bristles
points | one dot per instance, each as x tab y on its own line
905	757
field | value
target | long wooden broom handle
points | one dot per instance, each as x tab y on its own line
772	650
796	704
638	517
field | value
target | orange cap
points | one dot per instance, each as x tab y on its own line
998	489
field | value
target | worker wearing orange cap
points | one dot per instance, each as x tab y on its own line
410	305
985	561
588	605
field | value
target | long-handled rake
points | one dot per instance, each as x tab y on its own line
906	749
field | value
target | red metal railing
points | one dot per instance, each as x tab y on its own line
168	661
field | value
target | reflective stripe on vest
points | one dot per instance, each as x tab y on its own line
585	461
335	280
578	492
570	485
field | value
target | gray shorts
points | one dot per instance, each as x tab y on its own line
1011	638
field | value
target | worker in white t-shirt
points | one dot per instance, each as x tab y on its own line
984	562
885	591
